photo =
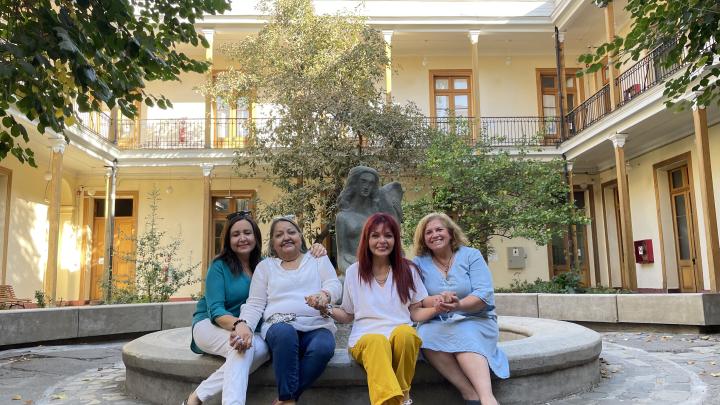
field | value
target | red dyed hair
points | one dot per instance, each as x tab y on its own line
402	268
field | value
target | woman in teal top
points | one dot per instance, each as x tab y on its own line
226	288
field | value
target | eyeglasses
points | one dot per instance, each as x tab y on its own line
288	217
239	214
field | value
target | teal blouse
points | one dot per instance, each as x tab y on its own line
224	294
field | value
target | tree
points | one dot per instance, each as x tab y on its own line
491	193
689	29
58	57
320	73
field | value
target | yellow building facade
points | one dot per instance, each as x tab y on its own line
648	178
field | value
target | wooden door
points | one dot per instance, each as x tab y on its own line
123	260
123	246
682	211
559	254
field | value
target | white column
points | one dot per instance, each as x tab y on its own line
207	169
388	34
474	36
58	145
110	184
210	37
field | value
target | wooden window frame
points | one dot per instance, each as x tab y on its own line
233	114
452	73
236	194
668	165
86	286
611	184
579	91
589	208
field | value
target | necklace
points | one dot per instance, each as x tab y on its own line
382	281
444	267
288	262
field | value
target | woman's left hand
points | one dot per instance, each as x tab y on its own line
449	303
318	301
318	250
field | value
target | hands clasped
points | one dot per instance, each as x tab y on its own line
319	301
447	301
241	337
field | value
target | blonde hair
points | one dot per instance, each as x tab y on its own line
457	235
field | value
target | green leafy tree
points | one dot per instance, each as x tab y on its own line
690	30
321	75
158	271
491	193
58	57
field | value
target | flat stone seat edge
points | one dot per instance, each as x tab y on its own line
551	345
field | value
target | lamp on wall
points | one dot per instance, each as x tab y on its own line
424	61
169	189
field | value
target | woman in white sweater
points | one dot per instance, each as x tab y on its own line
300	339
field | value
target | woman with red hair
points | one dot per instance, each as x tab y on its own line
382	296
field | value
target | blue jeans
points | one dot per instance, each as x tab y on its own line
298	358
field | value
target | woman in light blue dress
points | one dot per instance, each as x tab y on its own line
462	343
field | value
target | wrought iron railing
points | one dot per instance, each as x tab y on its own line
638	78
515	131
95	122
167	133
589	111
500	131
236	133
231	132
646	73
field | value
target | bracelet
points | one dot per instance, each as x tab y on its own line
327	295
327	311
239	320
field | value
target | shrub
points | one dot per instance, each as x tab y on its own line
158	272
564	283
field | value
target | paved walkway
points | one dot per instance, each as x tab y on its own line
637	368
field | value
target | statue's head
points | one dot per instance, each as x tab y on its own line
362	181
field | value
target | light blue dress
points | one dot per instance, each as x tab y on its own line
461	331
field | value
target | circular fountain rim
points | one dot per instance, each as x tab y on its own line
549	345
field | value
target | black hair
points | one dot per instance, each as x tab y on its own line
230	257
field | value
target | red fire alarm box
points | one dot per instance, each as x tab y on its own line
644	251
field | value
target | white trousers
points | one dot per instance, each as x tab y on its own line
232	377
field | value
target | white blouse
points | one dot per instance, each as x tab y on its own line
377	308
274	290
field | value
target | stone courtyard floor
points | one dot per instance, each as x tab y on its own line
637	368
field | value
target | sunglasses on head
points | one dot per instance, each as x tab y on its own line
239	214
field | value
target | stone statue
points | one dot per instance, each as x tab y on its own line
362	197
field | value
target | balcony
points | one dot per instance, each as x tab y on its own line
234	133
640	77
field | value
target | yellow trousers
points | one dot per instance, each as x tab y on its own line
389	363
